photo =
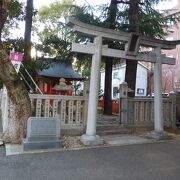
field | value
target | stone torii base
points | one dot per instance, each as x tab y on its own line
91	140
158	135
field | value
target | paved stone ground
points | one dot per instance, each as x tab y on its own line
125	139
157	161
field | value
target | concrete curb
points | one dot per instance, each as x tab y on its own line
124	140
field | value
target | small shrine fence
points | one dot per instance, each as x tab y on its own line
139	111
71	110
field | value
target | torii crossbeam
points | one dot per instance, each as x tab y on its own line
133	43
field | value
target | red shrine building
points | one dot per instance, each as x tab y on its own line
57	78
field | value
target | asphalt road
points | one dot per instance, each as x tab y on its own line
158	161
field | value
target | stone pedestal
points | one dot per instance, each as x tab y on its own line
42	133
158	135
91	140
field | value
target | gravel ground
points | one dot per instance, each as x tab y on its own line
71	142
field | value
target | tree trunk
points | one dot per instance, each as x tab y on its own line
28	27
131	66
110	23
108	86
130	76
20	106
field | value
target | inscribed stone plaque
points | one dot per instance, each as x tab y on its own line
42	133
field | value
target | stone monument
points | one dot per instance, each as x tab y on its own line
42	133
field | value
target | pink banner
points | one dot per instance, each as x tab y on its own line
16	56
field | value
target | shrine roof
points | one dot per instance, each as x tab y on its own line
60	69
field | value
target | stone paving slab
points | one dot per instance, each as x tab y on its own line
13	149
117	140
17	149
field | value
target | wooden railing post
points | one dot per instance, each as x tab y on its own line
123	103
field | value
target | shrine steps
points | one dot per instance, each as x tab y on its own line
110	125
111	130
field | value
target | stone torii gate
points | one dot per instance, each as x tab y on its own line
133	43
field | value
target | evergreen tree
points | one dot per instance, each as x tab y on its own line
137	16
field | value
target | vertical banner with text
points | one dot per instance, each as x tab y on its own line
16	59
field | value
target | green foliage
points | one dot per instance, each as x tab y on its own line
16	14
16	10
151	22
56	37
52	21
83	65
54	45
16	44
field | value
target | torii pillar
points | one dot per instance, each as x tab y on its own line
158	132
90	138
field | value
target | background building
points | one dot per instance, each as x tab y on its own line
118	76
171	74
